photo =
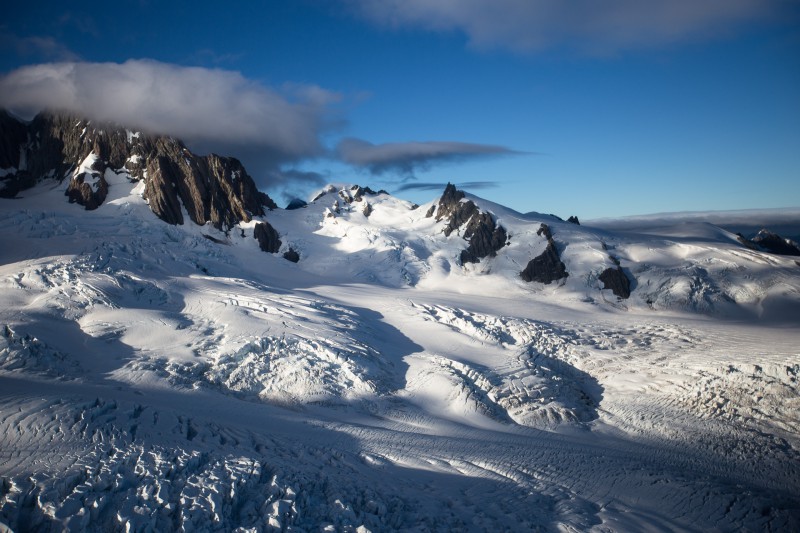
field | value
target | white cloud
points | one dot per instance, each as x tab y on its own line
594	26
211	108
405	157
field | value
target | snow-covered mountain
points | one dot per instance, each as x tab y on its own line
450	366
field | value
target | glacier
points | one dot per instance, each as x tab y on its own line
160	377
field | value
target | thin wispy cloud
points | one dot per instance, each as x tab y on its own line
438	186
590	26
198	105
405	158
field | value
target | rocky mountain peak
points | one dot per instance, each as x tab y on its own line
481	230
774	243
349	194
61	146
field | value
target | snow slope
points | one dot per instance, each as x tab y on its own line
153	379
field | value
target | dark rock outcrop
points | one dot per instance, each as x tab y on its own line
775	244
485	238
484	235
453	209
616	280
212	188
292	256
547	267
159	191
574	220
13	134
747	243
268	239
297	203
81	190
355	193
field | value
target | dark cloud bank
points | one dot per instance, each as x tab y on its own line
406	157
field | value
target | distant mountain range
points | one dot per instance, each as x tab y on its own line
637	261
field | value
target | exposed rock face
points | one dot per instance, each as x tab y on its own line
573	219
14	176
268	238
616	280
13	134
775	244
354	193
367	209
747	243
297	203
212	188
546	267
82	192
292	256
484	235
357	193
451	207
485	238
160	192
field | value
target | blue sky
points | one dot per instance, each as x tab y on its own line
604	109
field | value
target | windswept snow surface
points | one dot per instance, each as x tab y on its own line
152	379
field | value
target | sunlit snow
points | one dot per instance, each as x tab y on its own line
152	379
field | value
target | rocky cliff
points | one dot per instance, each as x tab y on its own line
484	235
60	146
775	244
615	279
547	267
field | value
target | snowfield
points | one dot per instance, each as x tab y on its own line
155	379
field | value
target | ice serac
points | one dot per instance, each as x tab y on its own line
547	267
484	235
615	279
213	189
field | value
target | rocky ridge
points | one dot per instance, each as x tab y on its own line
774	243
213	189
